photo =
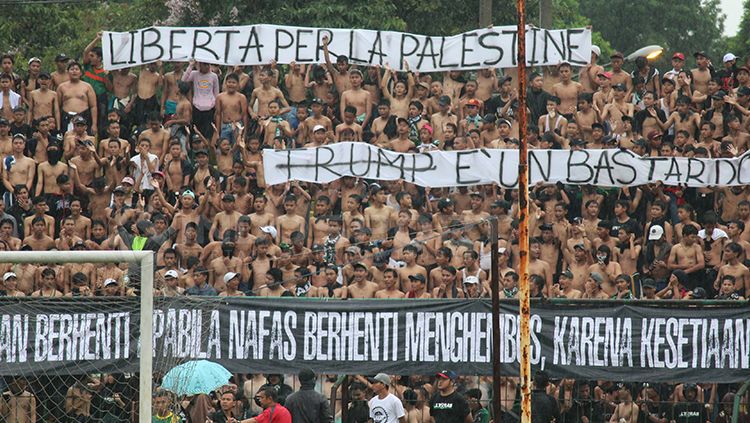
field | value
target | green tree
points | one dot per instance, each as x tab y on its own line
685	25
740	43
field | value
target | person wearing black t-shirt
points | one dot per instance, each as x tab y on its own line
690	411
447	405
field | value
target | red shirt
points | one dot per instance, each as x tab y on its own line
275	414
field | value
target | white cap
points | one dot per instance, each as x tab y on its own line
471	280
269	230
229	276
9	275
729	57
171	274
317	128
110	281
655	233
596	50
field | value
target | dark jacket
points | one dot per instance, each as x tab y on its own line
545	407
308	405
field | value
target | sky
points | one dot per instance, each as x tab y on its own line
733	10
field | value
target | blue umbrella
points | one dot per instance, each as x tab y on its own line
195	377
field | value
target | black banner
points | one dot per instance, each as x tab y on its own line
614	341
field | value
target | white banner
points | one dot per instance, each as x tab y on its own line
260	44
608	168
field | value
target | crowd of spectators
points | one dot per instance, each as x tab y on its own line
169	158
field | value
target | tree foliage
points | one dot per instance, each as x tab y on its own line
740	43
685	25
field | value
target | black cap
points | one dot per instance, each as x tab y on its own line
619	87
580	247
567	273
4	121
317	100
79	119
698	54
546	227
444	100
626	117
401	119
45	75
418	277
61	57
640	142
743	90
719	95
699	293
597	125
504	79
489	118
503	121
616	55
648	283
201	152
608	139
578	141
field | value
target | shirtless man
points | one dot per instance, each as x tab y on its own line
317	118
340	73
357	97
43	101
565	289
688	256
264	95
145	102
443	117
567	90
220	266
60	74
50	170
87	162
475	215
732	254
379	217
290	221
410	254
38	239
76	97
619	76
74	137
157	134
22	169
231	107
701	74
588	74
538	266
487	84
618	108
390	280
261	217
361	287
226	219
123	85
170	97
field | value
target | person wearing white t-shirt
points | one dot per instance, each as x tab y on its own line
144	164
384	406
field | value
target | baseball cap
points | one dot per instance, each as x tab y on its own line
110	282
679	55
567	273
473	102
202	152
35	59
606	74
743	90
446	374
471	280
317	128
171	274
597	125
489	118
719	95
352	249
61	57
619	87
504	79
270	230
579	247
9	275
317	100
424	85
444	100
119	189
743	69
79	119
597	277
127	180
596	50
4	122
546	227
617	55
698	54
417	277
402	119
229	276
157	173
729	57
78	244
656	232
381	378
699	293
648	283
503	121
578	141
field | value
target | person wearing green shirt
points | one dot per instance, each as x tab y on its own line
161	406
478	413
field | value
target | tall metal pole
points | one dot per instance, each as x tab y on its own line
495	285
523	226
